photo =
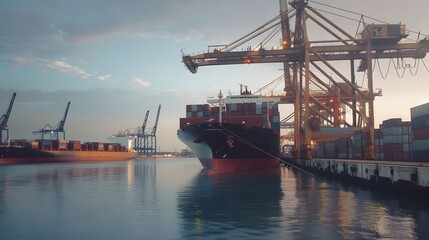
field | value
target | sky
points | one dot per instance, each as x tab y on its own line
114	60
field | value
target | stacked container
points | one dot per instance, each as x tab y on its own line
198	110
420	132
378	144
259	114
396	140
358	144
74	145
59	145
344	148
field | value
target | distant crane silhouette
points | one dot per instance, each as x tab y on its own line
145	141
4	119
53	132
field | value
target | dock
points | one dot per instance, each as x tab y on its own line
409	177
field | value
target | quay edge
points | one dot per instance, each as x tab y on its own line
399	177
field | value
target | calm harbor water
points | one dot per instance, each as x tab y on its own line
169	199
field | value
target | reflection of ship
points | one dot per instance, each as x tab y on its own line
62	151
244	136
245	203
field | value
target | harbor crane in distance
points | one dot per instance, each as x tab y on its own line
141	142
53	132
317	89
145	142
3	122
150	147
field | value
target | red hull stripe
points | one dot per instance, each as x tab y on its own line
224	165
74	156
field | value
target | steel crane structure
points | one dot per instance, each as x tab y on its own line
141	141
54	132
3	121
144	141
150	146
318	90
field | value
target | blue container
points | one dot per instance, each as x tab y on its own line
420	122
421	156
393	122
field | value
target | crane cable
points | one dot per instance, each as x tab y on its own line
256	32
244	141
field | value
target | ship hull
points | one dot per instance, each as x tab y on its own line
225	148
19	155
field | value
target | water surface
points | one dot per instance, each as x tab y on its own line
169	199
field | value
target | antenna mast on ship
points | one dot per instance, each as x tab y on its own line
220	96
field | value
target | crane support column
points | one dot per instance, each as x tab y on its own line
308	130
369	152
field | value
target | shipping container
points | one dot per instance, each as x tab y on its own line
421	156
421	110
419	145
420	122
393	152
392	122
74	145
421	133
35	145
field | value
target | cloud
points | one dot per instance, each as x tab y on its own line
63	66
19	62
104	77
141	82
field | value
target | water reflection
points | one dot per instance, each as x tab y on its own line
169	199
231	205
314	206
76	201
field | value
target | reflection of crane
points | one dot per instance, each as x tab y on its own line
309	65
54	131
4	119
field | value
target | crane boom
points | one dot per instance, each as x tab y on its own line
5	117
145	122
314	85
156	121
63	121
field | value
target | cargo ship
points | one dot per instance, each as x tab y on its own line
53	151
235	133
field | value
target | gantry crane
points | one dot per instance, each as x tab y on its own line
53	132
145	141
151	144
4	119
317	89
141	143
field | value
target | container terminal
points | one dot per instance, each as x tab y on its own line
333	114
50	148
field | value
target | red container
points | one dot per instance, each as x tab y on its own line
421	133
393	152
74	146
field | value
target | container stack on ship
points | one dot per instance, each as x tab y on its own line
240	132
396	140
420	132
46	151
